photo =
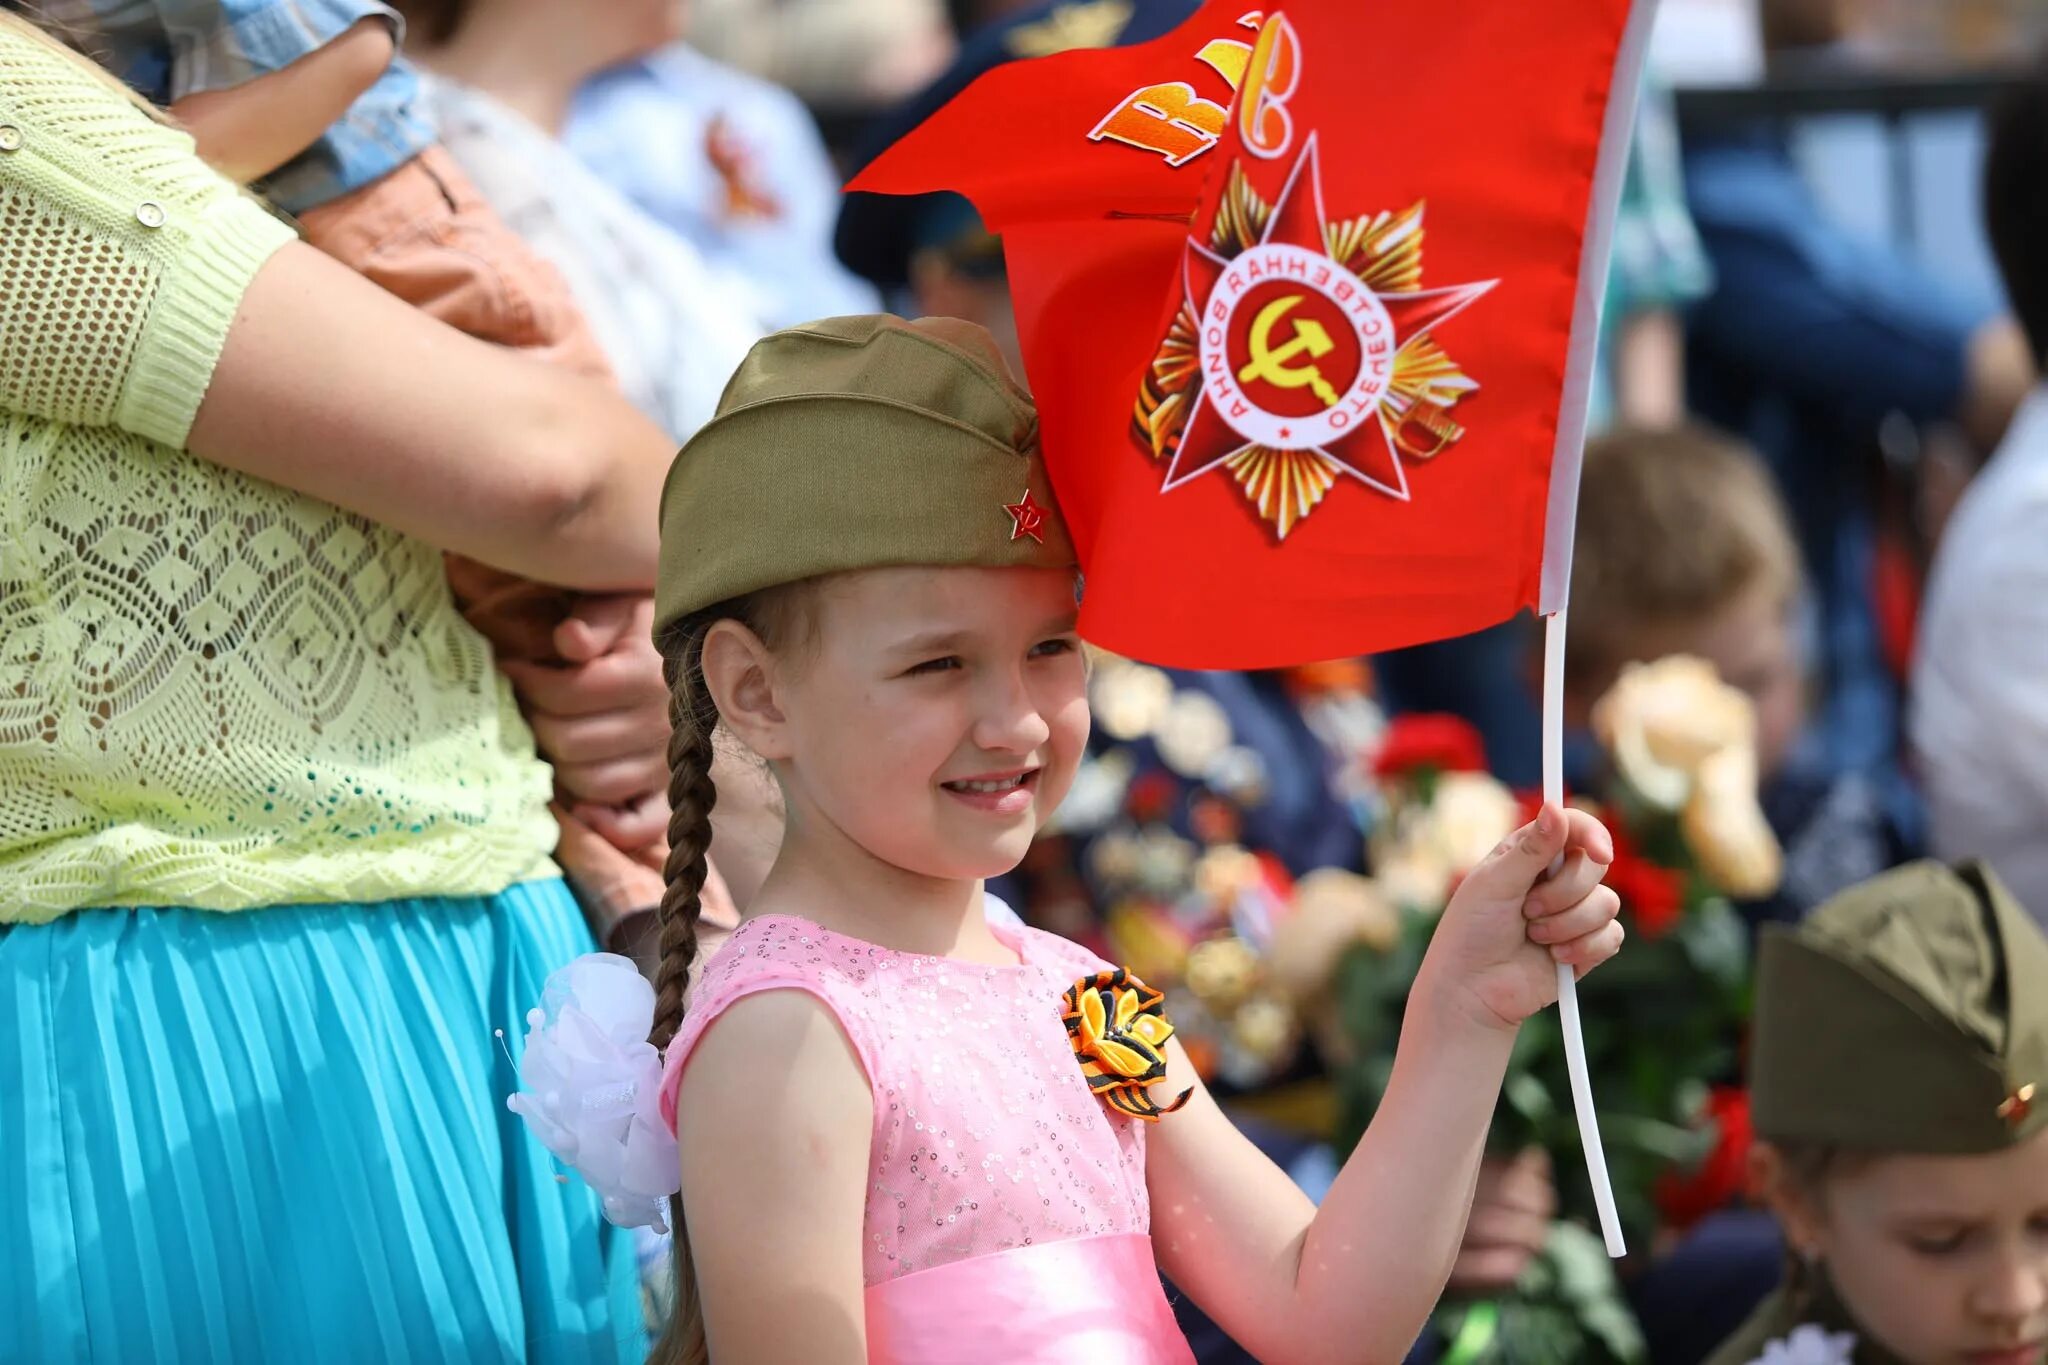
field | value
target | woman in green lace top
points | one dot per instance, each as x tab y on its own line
274	844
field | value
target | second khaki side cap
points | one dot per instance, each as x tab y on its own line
1908	1015
857	443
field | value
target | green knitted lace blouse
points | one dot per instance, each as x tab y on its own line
214	692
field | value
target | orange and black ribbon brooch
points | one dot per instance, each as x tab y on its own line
1119	1032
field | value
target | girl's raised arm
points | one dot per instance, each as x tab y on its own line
1356	1279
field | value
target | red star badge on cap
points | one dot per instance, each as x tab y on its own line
2018	1106
1027	518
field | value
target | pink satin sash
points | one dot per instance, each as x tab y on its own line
1096	1300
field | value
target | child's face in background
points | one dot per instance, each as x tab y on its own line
939	715
1944	1259
1754	646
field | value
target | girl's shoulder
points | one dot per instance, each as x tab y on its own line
1062	957
783	946
782	952
778	953
787	948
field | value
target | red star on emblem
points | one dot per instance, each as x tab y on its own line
1366	451
1027	518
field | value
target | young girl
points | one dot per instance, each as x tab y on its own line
1901	1046
908	1136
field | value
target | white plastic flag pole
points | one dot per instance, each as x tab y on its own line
1560	518
1567	987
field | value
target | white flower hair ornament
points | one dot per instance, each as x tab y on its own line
1810	1345
592	1085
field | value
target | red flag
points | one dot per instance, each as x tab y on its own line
1308	300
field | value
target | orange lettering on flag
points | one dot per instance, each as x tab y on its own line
1273	71
1228	58
1178	124
1169	119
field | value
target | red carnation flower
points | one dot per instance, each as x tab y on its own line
1151	796
1653	896
1447	744
1279	881
1685	1199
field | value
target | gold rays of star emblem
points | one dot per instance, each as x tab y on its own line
1097	23
1384	252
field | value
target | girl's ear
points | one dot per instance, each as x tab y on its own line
739	671
1773	1180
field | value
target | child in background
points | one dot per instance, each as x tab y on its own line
962	1139
302	100
1901	1043
1684	547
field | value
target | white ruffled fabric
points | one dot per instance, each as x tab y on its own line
592	1086
1810	1345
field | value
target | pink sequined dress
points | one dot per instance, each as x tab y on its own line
1007	1219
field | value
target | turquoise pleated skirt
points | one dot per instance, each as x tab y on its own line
281	1135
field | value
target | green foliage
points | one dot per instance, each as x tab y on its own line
1568	1309
1662	1021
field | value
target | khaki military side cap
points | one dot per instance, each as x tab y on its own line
857	443
1909	1014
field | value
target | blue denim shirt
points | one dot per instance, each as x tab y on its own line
169	49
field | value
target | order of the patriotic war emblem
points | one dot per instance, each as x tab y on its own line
1303	352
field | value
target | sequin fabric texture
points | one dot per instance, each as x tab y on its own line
986	1136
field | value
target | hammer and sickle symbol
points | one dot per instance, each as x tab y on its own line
1271	363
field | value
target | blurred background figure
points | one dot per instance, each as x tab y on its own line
1980	717
1842	356
503	75
929	253
846	59
731	162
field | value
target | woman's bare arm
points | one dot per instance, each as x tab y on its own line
330	386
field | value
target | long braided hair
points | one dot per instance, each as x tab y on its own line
777	616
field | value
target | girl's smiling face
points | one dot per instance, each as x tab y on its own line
1944	1259
933	716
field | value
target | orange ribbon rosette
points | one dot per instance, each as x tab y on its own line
1119	1031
